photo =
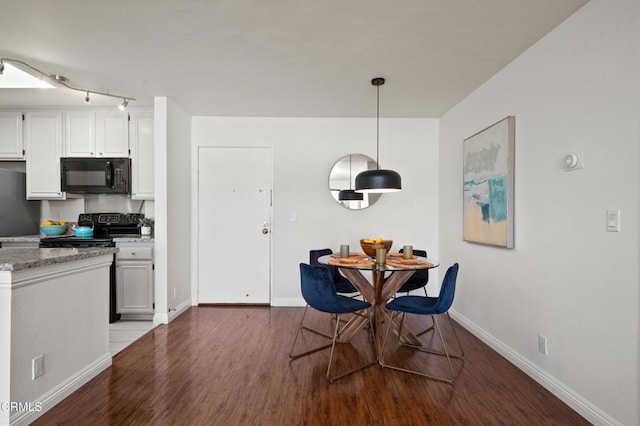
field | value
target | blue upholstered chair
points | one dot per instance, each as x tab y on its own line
319	292
432	306
342	284
419	279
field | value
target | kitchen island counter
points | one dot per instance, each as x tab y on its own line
15	259
54	310
21	239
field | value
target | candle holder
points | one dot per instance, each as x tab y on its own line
381	256
344	250
407	252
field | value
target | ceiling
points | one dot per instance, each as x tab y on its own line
278	58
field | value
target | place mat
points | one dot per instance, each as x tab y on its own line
350	262
399	255
409	264
351	255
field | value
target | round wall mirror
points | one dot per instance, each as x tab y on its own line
342	181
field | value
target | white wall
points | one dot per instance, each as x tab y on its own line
577	89
160	231
172	135
179	207
304	150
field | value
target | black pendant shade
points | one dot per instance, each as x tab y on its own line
379	180
350	195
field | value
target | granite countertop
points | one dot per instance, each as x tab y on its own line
36	239
15	259
21	239
134	239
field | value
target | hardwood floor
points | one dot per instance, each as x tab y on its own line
230	366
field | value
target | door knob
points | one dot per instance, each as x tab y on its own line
265	231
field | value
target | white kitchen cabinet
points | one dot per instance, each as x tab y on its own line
142	162
134	280
11	143
96	134
43	146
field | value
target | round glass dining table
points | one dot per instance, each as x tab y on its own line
386	281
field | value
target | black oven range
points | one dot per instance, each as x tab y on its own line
106	227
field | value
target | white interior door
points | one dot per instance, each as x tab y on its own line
234	225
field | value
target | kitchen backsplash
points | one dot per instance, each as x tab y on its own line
68	210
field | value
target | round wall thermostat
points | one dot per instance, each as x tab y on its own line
570	161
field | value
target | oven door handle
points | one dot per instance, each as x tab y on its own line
109	174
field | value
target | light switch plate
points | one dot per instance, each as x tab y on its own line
613	220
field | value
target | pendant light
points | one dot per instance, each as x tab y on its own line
379	180
350	194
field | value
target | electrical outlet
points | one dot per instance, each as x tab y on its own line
543	345
37	367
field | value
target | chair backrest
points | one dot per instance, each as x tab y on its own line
315	254
313	261
318	289
420	277
448	290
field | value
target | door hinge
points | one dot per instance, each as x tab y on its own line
153	305
153	266
128	117
23	116
23	152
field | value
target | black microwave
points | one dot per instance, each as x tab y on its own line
95	175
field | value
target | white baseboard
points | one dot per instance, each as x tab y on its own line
553	385
63	390
179	310
286	302
159	318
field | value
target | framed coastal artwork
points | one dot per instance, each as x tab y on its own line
489	158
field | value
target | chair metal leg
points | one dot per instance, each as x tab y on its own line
422	349
335	339
310	351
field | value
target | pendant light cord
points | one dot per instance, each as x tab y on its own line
350	188
378	129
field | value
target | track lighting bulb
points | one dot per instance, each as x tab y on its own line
123	105
86	98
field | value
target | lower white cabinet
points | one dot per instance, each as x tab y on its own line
134	280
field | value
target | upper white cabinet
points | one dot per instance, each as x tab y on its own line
141	137
11	145
96	134
43	145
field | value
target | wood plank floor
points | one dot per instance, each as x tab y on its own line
230	366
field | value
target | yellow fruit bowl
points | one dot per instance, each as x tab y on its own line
49	230
370	246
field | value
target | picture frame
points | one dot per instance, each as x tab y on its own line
488	185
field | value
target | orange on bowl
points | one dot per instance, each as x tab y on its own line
370	248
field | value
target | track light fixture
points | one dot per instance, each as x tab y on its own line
64	81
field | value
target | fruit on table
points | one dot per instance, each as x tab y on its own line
53	222
372	241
